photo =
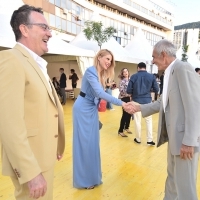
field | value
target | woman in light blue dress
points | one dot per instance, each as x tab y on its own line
86	152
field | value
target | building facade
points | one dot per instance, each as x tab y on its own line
67	17
188	34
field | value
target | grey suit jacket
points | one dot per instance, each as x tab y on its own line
180	124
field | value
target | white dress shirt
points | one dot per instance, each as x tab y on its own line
40	61
165	85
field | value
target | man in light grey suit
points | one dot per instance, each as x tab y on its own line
179	121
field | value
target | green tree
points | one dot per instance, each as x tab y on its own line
95	31
184	54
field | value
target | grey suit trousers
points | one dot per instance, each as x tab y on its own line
181	179
64	97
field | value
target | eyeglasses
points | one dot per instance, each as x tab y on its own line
43	26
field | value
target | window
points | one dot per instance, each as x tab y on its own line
112	22
118	39
87	16
69	4
58	22
82	22
78	10
73	28
52	20
78	29
63	4
119	26
132	30
51	1
115	25
57	3
69	26
122	27
108	22
64	25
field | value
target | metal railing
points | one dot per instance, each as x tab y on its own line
148	12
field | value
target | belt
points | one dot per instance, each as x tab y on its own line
95	100
82	94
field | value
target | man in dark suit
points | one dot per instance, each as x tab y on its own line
74	78
63	79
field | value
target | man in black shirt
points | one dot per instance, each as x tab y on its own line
63	79
161	82
74	78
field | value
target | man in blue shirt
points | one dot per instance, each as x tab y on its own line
140	86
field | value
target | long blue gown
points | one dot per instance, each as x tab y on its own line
86	151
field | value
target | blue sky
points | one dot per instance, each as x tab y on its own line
186	11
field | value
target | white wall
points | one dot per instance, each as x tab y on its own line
53	71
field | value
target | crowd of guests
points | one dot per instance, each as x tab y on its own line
32	130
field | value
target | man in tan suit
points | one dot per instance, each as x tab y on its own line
179	125
31	116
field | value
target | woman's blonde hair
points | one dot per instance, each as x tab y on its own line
104	74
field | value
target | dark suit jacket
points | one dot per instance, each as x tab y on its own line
63	80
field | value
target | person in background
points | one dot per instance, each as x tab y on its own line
86	153
109	85
56	86
158	82
74	78
126	117
161	82
32	127
179	114
63	85
139	87
197	70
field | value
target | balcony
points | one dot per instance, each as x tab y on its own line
126	8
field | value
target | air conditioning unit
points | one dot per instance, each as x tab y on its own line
65	11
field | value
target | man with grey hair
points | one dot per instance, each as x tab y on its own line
179	114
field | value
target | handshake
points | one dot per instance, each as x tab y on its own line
131	107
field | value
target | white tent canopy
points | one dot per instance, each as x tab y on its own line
7	38
139	47
58	46
55	44
119	52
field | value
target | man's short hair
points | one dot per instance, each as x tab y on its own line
62	69
197	69
72	70
165	46
21	16
142	65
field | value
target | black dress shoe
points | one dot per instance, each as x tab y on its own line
135	140
151	143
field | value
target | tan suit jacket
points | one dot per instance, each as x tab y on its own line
180	124
31	117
